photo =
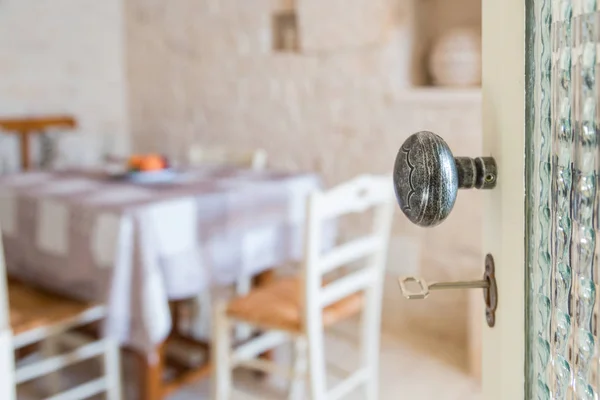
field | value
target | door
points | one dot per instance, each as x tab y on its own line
541	113
541	95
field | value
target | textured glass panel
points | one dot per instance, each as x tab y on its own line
541	254
562	186
584	198
562	138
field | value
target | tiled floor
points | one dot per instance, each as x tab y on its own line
412	368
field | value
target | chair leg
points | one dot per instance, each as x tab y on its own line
371	321
7	367
221	354
316	359
49	347
201	319
242	288
297	385
112	370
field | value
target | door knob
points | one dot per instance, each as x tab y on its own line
427	177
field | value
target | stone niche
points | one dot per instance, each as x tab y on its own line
314	26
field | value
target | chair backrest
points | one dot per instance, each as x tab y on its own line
358	195
255	159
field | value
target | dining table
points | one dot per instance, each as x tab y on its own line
136	246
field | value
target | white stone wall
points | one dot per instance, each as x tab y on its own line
204	71
66	56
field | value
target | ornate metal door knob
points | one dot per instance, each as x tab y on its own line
427	177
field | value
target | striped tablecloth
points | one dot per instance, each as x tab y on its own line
136	246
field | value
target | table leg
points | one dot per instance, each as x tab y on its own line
151	375
264	278
25	156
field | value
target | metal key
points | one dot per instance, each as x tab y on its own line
425	287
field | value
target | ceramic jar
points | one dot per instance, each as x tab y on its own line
455	58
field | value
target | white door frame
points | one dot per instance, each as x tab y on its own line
503	56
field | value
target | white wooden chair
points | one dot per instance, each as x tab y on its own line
29	316
7	361
300	308
257	160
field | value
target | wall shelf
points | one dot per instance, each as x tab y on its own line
440	94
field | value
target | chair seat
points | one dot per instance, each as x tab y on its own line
278	306
31	308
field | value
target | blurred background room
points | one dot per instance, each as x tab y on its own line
312	93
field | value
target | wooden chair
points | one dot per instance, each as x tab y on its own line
29	316
256	160
300	308
25	127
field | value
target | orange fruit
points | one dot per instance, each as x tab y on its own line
152	163
134	161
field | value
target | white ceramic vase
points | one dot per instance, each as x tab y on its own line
455	58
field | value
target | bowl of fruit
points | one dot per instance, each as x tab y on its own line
149	168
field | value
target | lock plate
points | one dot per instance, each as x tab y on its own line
490	294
